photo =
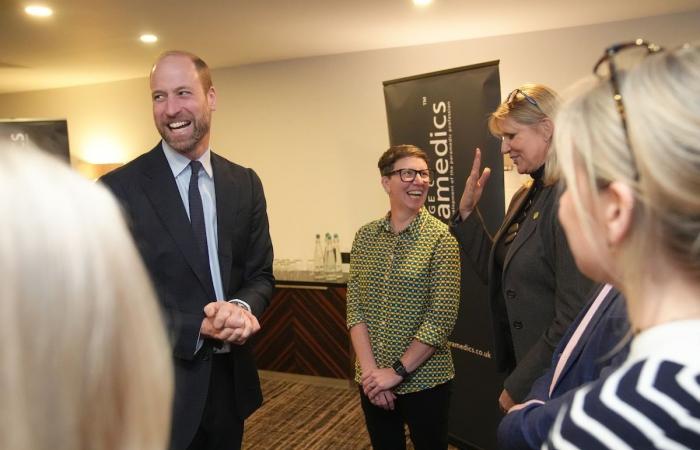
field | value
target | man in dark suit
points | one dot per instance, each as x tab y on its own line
200	223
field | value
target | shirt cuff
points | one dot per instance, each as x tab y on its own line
241	303
200	343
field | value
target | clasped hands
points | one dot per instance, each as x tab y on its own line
377	384
228	322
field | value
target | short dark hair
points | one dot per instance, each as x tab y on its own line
200	66
396	152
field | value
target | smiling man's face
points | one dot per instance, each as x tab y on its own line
181	107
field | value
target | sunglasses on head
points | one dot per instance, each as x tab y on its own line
513	96
607	67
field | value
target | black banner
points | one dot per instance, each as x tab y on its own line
48	135
445	113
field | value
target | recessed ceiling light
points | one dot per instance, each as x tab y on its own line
422	2
148	38
38	11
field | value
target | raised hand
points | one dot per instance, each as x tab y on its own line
473	187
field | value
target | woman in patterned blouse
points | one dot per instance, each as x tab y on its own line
629	147
403	296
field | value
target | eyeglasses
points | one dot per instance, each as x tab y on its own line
408	175
513	96
611	53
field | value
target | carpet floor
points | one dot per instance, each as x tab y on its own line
307	414
299	415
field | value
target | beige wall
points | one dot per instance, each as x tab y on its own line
314	128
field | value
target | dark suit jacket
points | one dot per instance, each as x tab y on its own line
600	349
148	193
539	292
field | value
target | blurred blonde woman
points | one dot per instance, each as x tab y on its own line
629	147
84	356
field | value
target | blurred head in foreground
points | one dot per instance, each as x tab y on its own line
82	349
631	208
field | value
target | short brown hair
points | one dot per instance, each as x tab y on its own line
200	66
396	152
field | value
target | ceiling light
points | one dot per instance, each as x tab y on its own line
422	2
148	38
38	11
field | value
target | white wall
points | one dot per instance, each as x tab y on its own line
314	128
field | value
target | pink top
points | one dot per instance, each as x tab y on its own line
577	335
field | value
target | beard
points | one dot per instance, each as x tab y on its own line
186	143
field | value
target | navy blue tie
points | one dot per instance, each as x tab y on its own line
197	210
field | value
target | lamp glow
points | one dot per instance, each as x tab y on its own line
148	38
422	2
102	149
38	11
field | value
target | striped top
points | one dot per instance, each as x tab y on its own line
403	286
652	401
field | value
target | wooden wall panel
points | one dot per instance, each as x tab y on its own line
303	331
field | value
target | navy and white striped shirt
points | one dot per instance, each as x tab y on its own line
651	401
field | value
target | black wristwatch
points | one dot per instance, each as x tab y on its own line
400	369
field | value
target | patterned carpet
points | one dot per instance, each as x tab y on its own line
302	412
299	415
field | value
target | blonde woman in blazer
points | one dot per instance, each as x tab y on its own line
535	289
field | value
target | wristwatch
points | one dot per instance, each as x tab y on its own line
400	369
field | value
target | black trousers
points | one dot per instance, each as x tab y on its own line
425	412
221	428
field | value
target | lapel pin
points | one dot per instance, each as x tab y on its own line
535	215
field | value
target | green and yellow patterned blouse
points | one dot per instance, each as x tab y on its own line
405	286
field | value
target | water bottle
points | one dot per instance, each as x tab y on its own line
318	254
336	252
328	259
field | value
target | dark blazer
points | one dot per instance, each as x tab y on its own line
601	348
159	223
539	292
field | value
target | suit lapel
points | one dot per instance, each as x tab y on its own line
159	185
513	209
227	189
528	226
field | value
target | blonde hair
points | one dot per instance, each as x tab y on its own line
518	108
83	352
661	163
